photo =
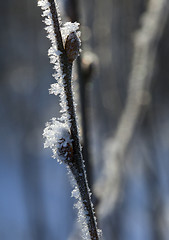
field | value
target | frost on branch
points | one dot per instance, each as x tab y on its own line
56	131
57	137
83	213
69	31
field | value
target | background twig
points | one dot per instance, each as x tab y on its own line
145	47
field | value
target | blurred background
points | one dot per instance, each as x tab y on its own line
123	80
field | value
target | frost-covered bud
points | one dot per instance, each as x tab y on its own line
65	149
57	137
72	46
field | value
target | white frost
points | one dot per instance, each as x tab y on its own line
75	193
68	28
56	136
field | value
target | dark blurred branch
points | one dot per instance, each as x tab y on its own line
72	9
145	47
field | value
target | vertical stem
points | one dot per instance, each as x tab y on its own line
76	166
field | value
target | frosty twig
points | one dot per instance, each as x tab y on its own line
62	134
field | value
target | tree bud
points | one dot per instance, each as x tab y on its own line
72	46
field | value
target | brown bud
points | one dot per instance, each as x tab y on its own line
72	46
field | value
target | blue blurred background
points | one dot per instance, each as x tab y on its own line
34	190
35	202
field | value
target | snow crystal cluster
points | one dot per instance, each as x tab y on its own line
57	132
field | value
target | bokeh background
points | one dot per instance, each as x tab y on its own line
128	168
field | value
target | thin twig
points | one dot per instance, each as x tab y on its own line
76	165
